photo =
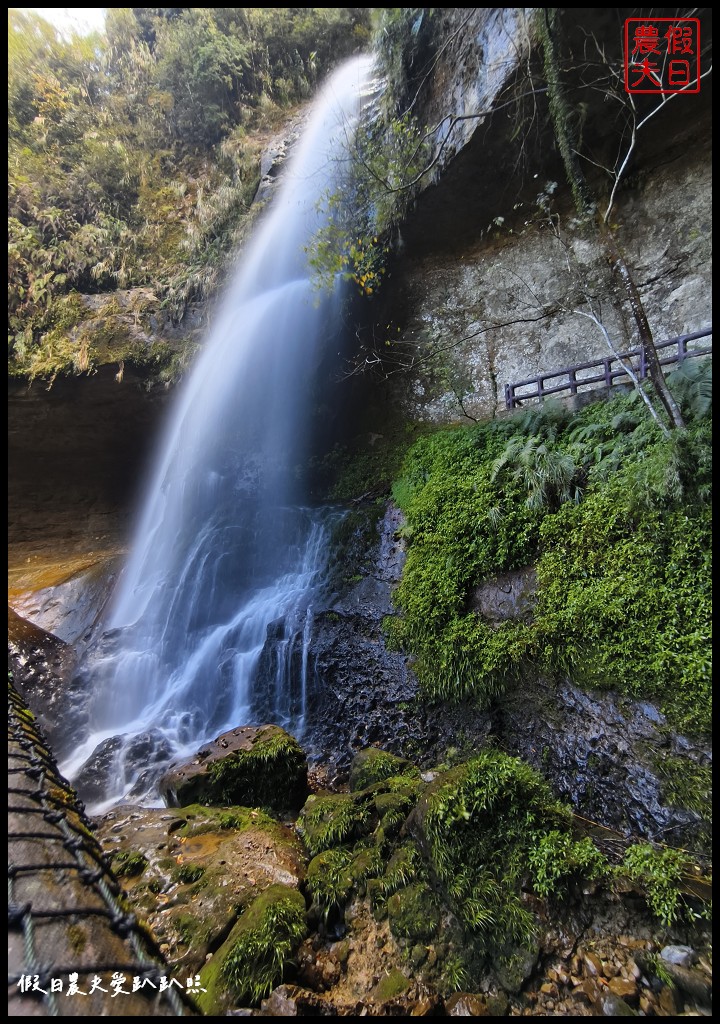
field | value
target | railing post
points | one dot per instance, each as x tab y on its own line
642	372
573	382
682	348
509	388
608	378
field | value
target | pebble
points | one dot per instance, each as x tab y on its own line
624	988
682	955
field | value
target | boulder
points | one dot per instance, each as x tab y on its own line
254	766
190	871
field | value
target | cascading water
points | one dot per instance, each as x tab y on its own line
225	551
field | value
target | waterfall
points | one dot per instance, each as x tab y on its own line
226	551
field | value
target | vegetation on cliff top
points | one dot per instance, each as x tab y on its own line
133	158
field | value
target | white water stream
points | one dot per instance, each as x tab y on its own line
225	550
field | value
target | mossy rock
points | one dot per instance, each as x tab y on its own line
335	874
413	913
129	863
480	826
392	810
255	766
373	765
330	878
514	965
203	865
252	960
392	986
333	819
366	863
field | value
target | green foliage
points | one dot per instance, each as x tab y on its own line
109	138
186	874
271	773
660	873
691	385
327	821
623	564
129	863
481	822
625	602
330	879
405	41
373	199
557	857
413	913
462	526
455	975
388	157
686	784
403	867
550	476
265	939
374	765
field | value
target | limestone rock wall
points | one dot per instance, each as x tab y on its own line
485	292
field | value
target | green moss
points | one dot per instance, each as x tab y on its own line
271	774
373	765
200	819
413	913
616	520
129	863
186	874
392	986
77	938
660	873
392	810
686	784
327	821
253	958
481	825
404	866
557	858
366	863
330	879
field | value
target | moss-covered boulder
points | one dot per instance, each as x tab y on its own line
334	874
190	871
373	765
331	819
252	960
485	828
254	766
392	986
413	913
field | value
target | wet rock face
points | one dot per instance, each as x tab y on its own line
70	605
508	596
598	752
478	277
189	871
76	457
41	663
601	754
145	755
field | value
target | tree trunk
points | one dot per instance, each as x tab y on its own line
619	265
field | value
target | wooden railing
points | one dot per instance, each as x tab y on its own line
610	368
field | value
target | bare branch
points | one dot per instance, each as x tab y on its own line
628	369
454	119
